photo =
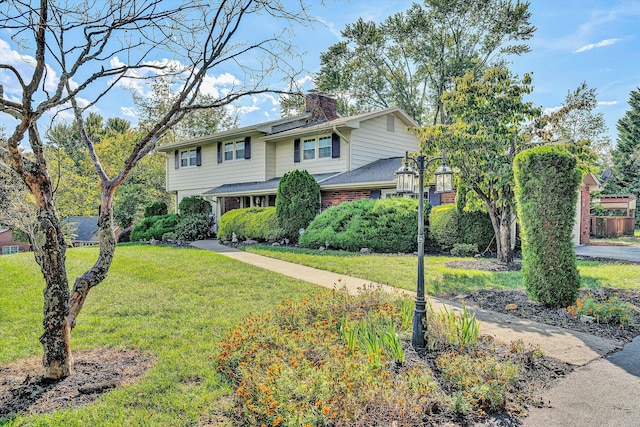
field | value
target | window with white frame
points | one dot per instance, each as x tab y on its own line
317	148
239	149
234	150
188	158
12	249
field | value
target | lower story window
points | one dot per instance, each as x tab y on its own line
7	250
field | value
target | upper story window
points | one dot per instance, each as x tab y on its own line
317	148
188	158
234	150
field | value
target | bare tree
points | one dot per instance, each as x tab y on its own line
77	52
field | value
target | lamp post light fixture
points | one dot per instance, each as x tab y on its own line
405	182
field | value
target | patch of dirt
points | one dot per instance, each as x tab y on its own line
24	390
484	265
516	303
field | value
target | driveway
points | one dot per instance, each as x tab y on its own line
623	253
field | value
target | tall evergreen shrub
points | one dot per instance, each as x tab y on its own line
297	202
546	190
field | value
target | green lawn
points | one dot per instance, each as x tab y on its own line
177	304
174	304
400	270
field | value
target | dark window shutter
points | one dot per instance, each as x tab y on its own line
375	194
335	146
176	159
198	156
296	150
247	147
219	152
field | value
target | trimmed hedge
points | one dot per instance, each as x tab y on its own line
297	202
444	226
154	227
547	182
155	209
383	226
251	223
194	205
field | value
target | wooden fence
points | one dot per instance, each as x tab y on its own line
611	226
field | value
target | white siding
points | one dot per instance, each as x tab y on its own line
372	141
285	163
213	174
270	160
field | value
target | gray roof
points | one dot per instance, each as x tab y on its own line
85	228
381	171
270	186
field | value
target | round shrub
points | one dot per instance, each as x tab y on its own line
444	226
297	202
194	227
250	223
384	226
546	190
194	205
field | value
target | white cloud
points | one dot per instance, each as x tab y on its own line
129	112
607	102
551	110
246	109
602	43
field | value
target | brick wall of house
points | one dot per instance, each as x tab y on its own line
585	215
334	198
231	203
447	198
6	239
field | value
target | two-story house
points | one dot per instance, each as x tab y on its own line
350	157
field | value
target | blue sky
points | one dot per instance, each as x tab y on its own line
597	41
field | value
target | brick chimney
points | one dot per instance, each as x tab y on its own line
322	107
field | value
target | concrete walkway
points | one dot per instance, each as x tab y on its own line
623	253
600	392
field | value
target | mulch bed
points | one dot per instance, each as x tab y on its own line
23	389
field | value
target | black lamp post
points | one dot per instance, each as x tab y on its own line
405	183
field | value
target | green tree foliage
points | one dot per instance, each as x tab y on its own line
297	202
156	208
198	122
384	226
410	59
579	128
547	219
626	155
255	223
489	113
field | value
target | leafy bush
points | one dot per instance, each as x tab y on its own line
604	309
476	229
547	218
194	227
449	227
250	223
464	249
444	226
154	227
387	225
194	205
155	209
297	202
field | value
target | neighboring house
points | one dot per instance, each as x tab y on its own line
10	246
582	226
350	157
84	230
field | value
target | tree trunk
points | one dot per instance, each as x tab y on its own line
501	221
98	272
51	255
